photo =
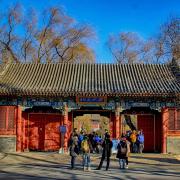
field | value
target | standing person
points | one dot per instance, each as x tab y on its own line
74	133
107	146
74	150
133	139
85	149
123	152
93	144
97	141
140	141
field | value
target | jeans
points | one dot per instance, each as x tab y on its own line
123	162
141	147
126	160
134	147
86	160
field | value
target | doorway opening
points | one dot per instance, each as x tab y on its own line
90	120
147	120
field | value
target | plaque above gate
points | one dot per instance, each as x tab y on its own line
91	100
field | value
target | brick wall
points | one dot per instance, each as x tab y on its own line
173	138
7	143
8	128
173	144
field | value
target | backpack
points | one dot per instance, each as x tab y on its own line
123	147
85	146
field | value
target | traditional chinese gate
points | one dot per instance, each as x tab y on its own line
43	131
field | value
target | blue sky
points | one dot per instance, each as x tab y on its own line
112	16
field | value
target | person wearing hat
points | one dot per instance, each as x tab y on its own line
107	146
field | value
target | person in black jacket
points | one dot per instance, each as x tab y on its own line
107	146
74	150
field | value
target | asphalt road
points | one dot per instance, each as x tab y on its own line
37	165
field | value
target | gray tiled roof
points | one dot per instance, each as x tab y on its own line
88	79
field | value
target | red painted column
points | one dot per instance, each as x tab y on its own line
117	123
165	117
175	119
120	132
19	130
24	138
112	125
66	124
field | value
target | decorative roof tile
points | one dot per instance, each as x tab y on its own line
90	79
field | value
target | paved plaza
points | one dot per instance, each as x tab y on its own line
51	165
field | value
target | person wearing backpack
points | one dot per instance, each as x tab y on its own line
123	152
140	139
85	149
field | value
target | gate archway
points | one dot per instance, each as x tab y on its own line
147	120
92	119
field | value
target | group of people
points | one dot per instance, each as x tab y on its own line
95	142
136	139
79	145
82	144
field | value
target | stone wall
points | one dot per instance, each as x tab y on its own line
7	143
173	144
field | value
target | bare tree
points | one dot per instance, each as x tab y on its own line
168	40
9	21
128	47
51	37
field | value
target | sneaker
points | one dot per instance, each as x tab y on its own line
126	167
84	168
89	169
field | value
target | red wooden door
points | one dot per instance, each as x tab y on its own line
147	124
36	131
52	134
44	132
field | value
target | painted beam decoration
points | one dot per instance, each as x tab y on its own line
78	101
30	102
